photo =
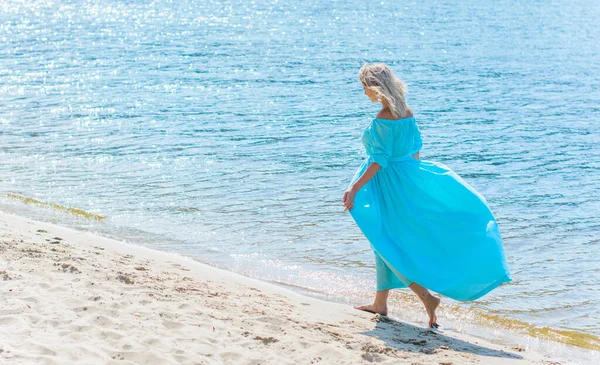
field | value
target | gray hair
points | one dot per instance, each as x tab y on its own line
388	88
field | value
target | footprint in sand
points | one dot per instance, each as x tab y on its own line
173	325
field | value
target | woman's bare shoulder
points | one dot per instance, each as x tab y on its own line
386	114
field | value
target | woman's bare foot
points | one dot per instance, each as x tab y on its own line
379	305
430	302
430	305
373	308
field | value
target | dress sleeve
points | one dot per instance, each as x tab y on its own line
381	143
417	140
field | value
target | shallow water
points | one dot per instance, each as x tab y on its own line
227	131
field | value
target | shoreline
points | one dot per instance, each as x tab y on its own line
72	296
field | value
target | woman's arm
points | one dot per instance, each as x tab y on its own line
348	199
366	176
416	156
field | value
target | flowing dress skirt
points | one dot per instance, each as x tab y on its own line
427	225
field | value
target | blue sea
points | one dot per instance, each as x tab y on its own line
227	131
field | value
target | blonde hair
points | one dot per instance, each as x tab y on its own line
388	88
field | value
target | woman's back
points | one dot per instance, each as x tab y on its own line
389	139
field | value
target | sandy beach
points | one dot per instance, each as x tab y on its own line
71	297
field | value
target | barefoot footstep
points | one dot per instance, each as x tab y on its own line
266	340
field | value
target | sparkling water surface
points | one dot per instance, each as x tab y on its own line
228	130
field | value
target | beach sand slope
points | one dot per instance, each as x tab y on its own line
70	297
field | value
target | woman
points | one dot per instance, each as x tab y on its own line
427	227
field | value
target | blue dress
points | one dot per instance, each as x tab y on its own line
425	223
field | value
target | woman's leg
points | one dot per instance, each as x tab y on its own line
379	305
430	302
386	280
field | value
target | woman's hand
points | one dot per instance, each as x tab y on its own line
348	199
